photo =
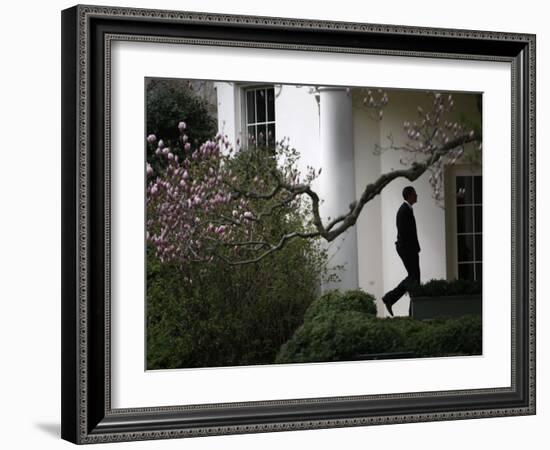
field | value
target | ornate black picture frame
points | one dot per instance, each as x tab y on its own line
87	414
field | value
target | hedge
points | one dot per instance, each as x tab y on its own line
440	288
335	330
335	301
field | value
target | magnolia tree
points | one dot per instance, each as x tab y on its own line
213	202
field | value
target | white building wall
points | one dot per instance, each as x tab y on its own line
228	109
297	118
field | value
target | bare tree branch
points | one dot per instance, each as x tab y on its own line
342	223
273	248
373	189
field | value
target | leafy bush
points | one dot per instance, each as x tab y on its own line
436	288
219	315
170	101
334	302
445	337
339	335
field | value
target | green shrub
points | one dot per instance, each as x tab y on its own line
445	337
340	337
436	288
334	302
170	101
227	316
344	335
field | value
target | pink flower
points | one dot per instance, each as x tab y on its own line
149	169
151	139
161	144
182	125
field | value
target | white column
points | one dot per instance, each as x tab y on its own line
338	179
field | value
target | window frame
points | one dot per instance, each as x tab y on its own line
243	110
451	233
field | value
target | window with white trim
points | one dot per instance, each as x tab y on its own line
469	237
464	221
259	116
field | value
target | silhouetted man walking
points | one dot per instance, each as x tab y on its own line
407	248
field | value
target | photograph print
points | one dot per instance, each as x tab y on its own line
310	224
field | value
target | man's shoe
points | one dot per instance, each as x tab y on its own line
387	301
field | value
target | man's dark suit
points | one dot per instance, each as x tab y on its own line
408	248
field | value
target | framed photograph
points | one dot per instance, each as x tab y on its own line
278	224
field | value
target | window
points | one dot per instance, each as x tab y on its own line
464	222
469	226
260	116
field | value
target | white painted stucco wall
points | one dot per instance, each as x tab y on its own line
228	110
297	118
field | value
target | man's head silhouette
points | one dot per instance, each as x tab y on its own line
409	194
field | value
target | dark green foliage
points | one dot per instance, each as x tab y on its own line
334	302
170	101
332	332
340	337
440	288
227	315
447	337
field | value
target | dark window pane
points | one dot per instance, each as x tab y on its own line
478	190
478	219
479	273
252	135
271	135
466	271
260	105
466	247
262	133
464	190
271	105
464	219
479	247
250	108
